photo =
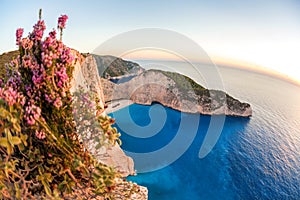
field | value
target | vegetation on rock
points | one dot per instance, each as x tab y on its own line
183	82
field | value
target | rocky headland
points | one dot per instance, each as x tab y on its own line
173	90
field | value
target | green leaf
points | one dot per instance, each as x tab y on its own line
8	134
9	150
21	147
46	187
48	177
4	142
3	113
24	138
15	140
17	126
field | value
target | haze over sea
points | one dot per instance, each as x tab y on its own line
256	158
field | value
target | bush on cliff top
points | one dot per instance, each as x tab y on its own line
41	153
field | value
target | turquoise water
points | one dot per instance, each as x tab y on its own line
256	158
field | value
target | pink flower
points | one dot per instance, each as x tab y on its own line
48	98
32	113
38	76
38	30
62	76
22	100
52	34
62	21
47	59
57	103
19	34
67	56
28	90
30	120
26	61
40	134
26	43
60	47
63	94
10	96
49	42
60	84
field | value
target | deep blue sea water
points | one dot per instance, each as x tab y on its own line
256	158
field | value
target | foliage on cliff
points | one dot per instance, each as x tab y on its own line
183	82
42	155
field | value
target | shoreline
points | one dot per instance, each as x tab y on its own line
116	105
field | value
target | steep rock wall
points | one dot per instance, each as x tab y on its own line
86	76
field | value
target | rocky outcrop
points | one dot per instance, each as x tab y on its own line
176	91
85	76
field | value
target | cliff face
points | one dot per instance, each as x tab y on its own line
86	76
175	91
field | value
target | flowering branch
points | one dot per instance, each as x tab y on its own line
62	24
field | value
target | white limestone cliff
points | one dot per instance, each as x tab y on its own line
86	76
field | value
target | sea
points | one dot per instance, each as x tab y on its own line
247	158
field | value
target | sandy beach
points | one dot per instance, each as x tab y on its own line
117	105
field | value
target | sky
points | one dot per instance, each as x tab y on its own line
258	34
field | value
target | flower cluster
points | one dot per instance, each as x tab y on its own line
19	34
40	134
11	96
32	113
27	61
56	56
37	125
62	21
48	72
26	43
38	31
38	77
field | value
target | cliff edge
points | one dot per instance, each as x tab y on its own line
86	77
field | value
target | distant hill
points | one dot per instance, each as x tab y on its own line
110	66
6	58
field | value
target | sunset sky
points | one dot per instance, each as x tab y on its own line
250	33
